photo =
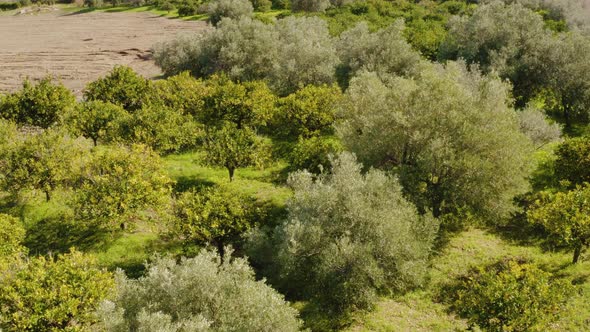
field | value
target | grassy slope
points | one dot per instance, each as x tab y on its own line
420	310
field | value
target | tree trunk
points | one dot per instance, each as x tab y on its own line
95	141
47	195
231	173
123	226
577	251
220	249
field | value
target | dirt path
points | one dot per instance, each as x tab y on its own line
79	48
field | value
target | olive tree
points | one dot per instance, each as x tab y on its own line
53	294
566	215
119	185
307	54
204	293
349	237
450	134
252	54
385	52
535	125
232	9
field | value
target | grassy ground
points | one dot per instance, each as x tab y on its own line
422	311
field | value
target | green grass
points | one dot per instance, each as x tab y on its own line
422	310
133	9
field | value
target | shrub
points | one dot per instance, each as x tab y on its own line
313	154
188	8
38	105
12	235
45	294
199	294
573	160
511	295
348	238
535	125
122	87
309	111
232	9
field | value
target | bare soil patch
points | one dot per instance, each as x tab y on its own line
79	48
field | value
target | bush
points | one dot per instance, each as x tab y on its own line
535	125
188	8
511	295
309	111
12	235
47	294
232	9
199	294
39	105
313	154
573	161
348	238
122	87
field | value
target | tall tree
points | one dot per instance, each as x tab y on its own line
450	134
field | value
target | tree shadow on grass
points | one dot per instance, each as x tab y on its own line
58	234
185	183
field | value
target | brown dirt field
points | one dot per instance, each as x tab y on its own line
78	48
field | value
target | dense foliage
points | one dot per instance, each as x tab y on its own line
204	293
450	134
510	295
348	238
52	294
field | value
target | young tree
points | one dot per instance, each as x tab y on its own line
96	120
350	237
118	184
182	93
450	134
42	161
203	293
213	216
122	87
37	105
566	215
47	294
232	148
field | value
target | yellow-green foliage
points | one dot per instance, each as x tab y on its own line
12	235
511	295
52	293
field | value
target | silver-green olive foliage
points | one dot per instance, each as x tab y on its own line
450	134
290	54
514	42
351	236
204	293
